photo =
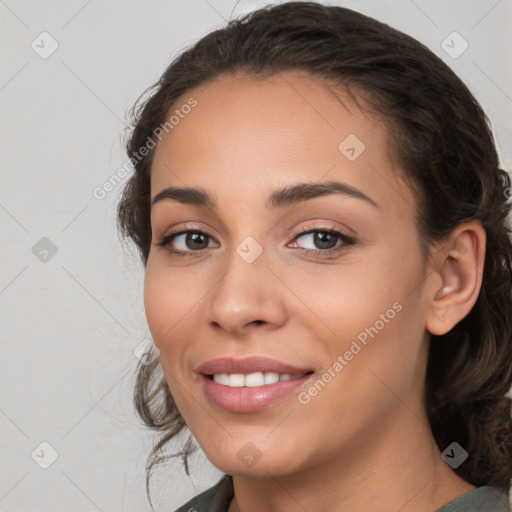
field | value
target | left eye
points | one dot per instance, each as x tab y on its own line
323	240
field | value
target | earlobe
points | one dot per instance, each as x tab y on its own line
460	265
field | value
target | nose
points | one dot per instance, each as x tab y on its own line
247	295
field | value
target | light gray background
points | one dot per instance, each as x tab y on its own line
70	324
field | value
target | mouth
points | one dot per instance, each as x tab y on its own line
249	366
252	380
250	384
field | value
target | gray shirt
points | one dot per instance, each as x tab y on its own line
483	499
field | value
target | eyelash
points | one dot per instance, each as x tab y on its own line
347	241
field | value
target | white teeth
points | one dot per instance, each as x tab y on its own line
271	377
254	379
221	378
238	380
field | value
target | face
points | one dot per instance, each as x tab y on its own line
325	283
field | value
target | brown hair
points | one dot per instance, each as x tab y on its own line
439	136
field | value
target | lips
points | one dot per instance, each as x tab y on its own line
245	396
248	365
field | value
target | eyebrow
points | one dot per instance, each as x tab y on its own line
279	198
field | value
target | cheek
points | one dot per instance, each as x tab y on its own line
382	349
155	305
354	299
172	301
374	315
166	301
164	306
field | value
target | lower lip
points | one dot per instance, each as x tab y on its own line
249	399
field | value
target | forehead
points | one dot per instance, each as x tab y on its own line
256	135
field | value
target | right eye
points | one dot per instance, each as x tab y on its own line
185	242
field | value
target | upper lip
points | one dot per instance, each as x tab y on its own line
249	365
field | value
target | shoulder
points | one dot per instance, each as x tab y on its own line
482	499
214	499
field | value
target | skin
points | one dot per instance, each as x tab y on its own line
363	442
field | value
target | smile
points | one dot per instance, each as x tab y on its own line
251	380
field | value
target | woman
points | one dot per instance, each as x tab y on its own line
323	223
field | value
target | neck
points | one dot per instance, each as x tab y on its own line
395	466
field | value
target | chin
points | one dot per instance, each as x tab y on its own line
250	462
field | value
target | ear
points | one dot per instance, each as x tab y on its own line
458	266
